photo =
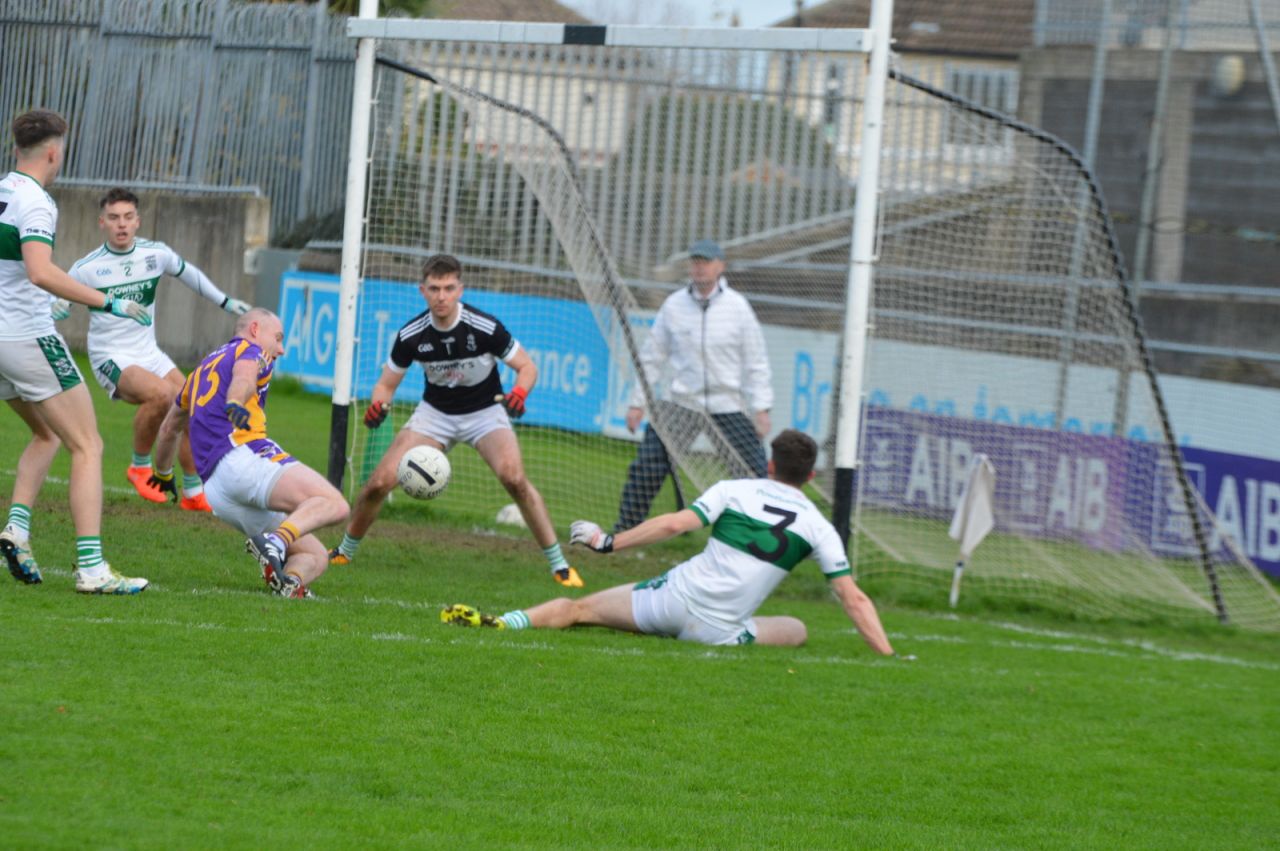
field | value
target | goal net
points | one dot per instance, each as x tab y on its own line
1005	327
571	182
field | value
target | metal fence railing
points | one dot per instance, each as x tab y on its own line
190	92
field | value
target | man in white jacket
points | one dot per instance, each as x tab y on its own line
707	338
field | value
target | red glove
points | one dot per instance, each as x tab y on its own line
514	402
376	414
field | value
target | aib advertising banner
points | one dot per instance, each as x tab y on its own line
1112	493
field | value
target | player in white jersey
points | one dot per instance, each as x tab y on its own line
125	357
38	378
761	529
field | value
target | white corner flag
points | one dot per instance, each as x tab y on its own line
974	516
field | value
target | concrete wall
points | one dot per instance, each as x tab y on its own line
213	232
1221	156
1217	200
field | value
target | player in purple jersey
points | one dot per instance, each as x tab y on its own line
250	481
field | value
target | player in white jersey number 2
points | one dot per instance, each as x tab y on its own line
760	530
125	357
38	378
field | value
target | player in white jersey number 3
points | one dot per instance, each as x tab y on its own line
760	530
125	357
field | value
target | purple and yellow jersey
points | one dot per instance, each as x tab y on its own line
204	397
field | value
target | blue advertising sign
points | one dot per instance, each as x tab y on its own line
1242	492
564	342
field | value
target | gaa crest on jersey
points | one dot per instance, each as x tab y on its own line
150	262
471	342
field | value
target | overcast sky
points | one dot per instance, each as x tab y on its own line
705	13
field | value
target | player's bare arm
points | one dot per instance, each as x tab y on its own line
37	257
526	378
387	385
858	606
169	436
381	396
651	531
244	381
526	370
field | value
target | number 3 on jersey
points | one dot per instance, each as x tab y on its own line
210	373
779	532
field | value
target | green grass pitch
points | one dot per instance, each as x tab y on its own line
207	714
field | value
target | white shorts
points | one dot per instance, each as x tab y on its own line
448	429
35	370
240	489
658	610
107	368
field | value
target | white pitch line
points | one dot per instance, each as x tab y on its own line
58	480
1071	642
1106	646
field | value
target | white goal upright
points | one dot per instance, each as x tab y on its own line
570	168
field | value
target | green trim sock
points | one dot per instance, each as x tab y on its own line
89	555
516	620
20	519
191	485
555	558
140	460
349	546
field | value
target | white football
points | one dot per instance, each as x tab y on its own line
423	472
509	515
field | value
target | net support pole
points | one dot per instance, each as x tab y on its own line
857	317
1264	53
352	232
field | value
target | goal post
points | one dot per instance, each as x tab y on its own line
861	263
352	231
571	170
369	30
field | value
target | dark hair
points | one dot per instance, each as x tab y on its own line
37	126
439	265
117	195
794	454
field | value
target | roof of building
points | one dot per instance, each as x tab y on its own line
535	11
987	28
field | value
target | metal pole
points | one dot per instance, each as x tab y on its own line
1092	123
352	234
312	117
861	259
1150	182
1268	63
1155	155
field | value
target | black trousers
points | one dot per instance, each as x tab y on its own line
652	464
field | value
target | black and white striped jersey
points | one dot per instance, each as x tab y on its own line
460	363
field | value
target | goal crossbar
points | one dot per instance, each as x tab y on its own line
706	38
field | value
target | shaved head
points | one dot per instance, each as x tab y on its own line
264	329
254	314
